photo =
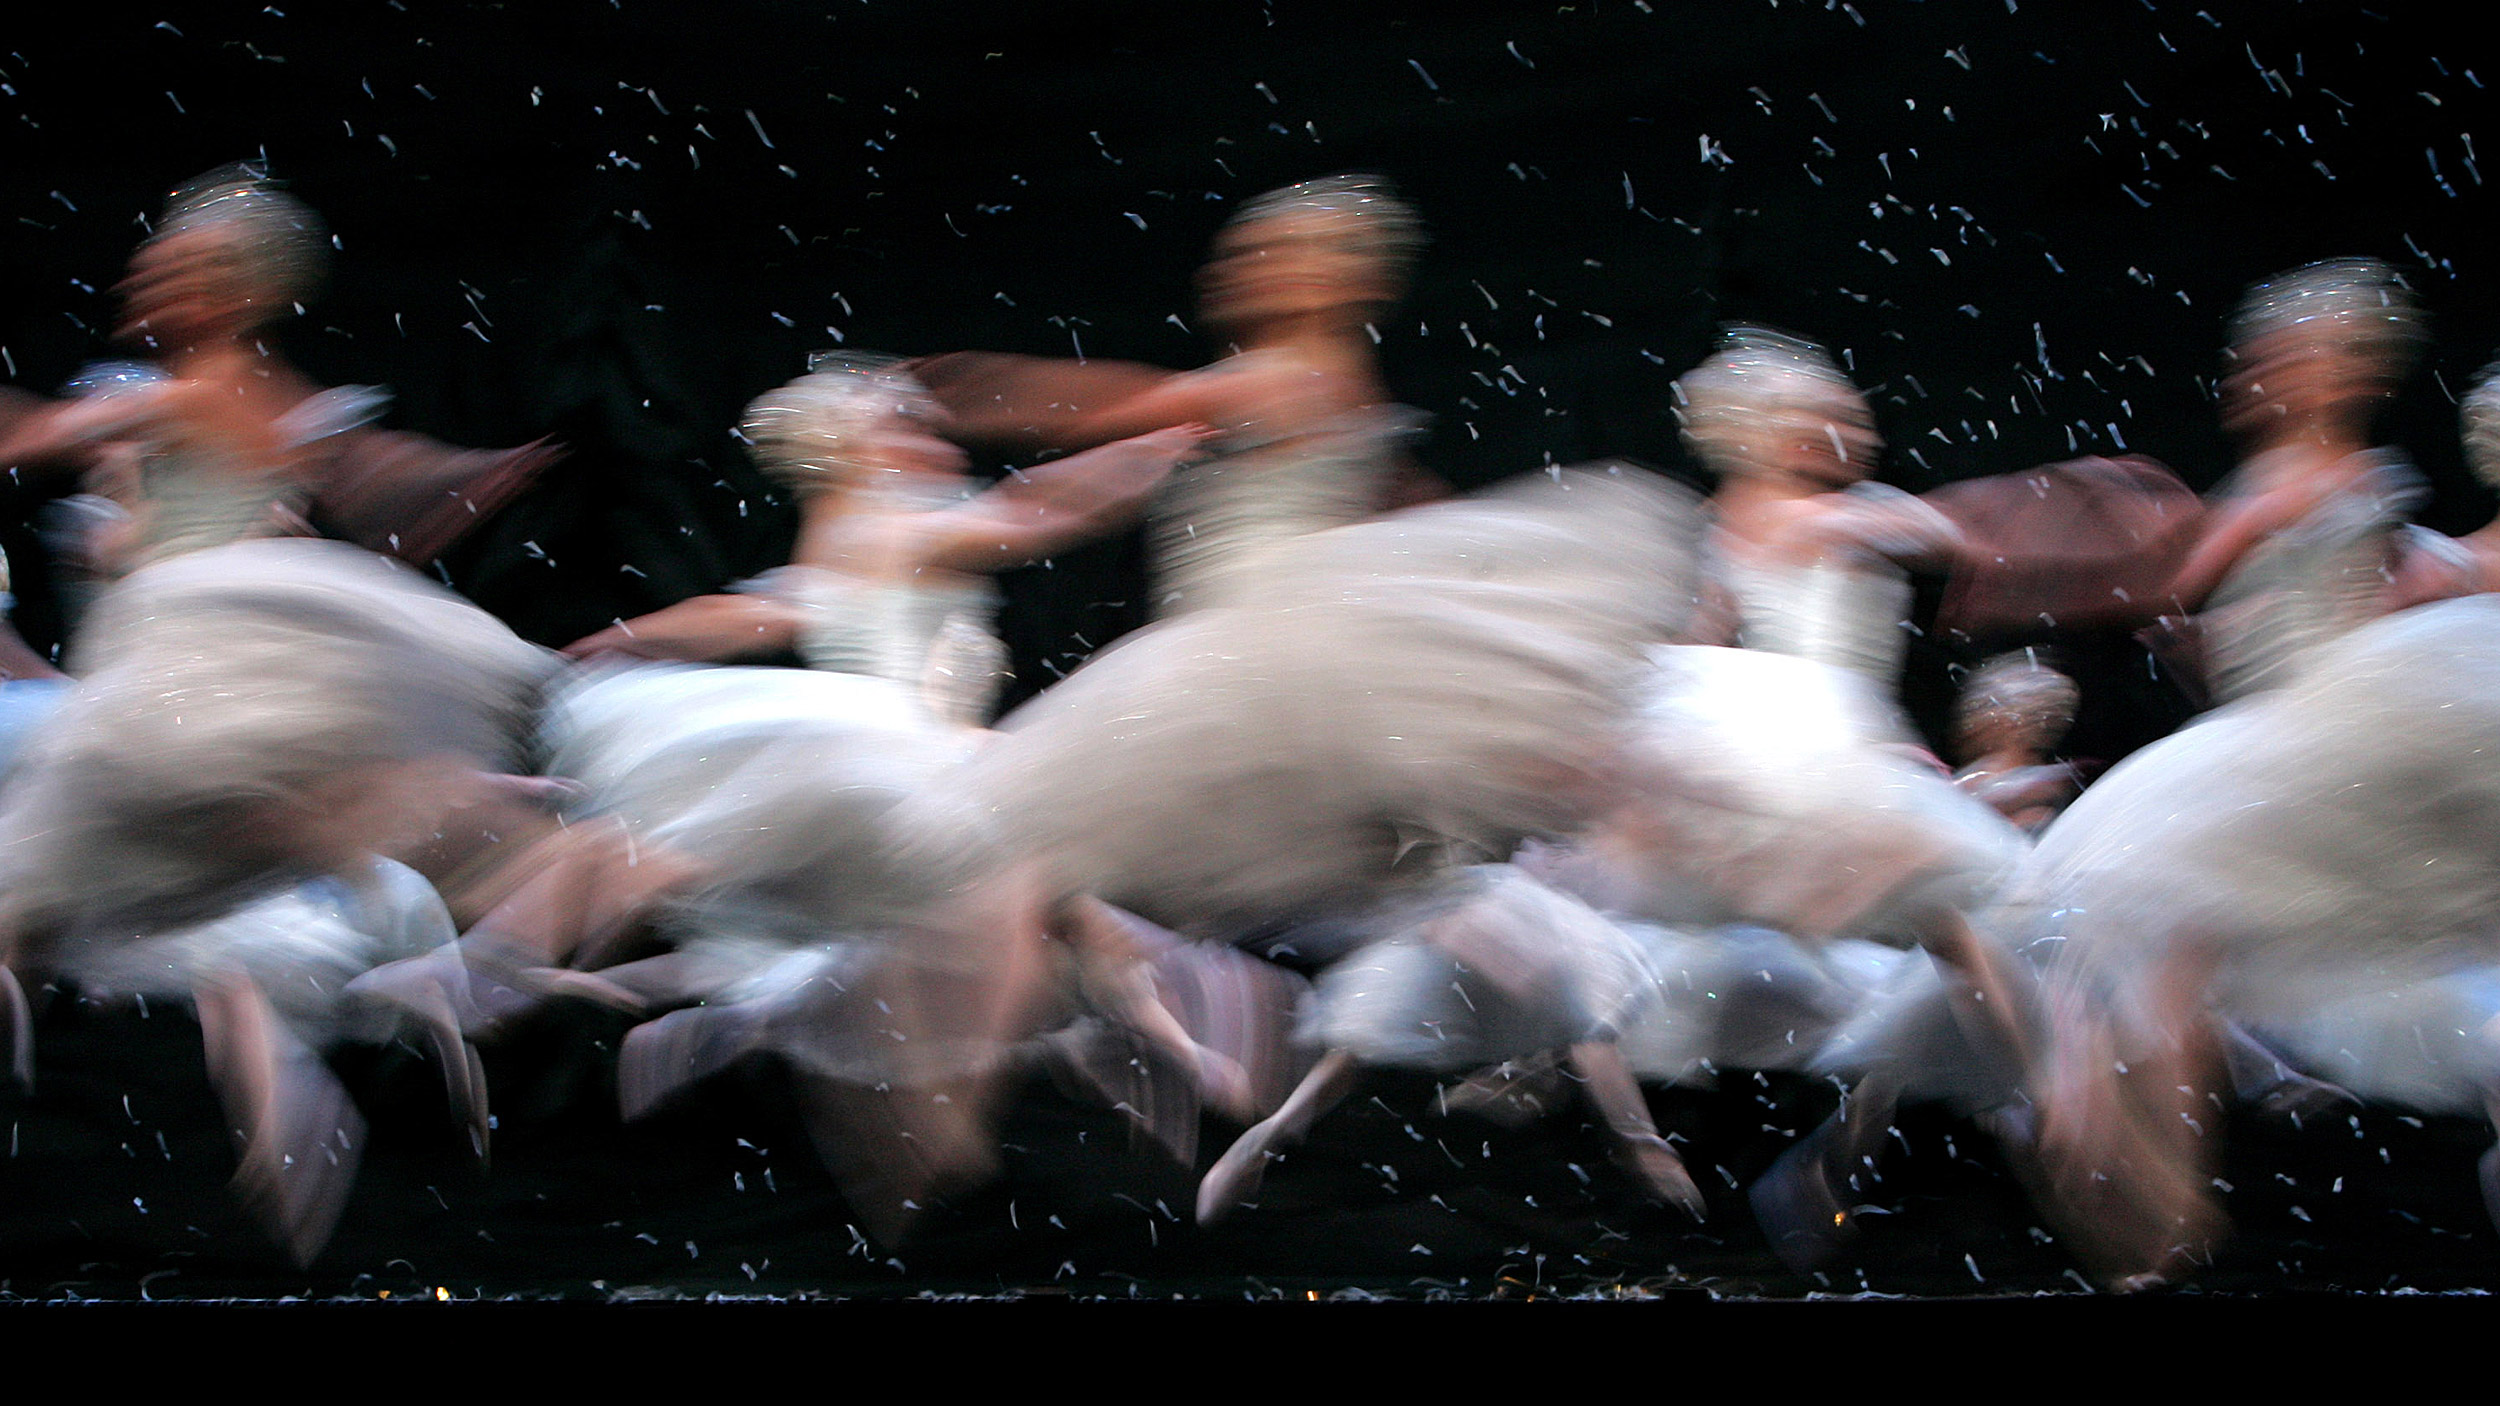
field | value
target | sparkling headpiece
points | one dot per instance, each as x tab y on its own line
1364	209
2481	414
811	433
273	241
1755	380
2355	306
2026	693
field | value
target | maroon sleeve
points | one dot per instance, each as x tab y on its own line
2087	544
410	497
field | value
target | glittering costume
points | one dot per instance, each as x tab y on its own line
1488	966
225	679
1217	521
252	724
2312	582
1777	784
1848	608
930	633
196	498
1443	679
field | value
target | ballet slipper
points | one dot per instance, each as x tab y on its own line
1649	1160
302	1137
1797	1208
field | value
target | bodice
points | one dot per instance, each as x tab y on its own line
931	633
1218	516
1846	607
199	497
2309	583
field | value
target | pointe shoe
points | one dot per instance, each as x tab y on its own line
1648	1159
1235	1178
1798	1210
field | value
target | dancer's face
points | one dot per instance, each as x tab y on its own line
1823	448
901	444
190	286
2288	381
1285	267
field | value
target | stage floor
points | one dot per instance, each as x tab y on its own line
114	1188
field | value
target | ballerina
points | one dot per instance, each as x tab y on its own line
2439	567
1777	785
1811	553
2302	545
790	920
2314	862
890	576
1307	437
235	442
2013	712
249	718
1409	695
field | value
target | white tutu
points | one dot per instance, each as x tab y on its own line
1763	788
295	678
2336	842
1451	678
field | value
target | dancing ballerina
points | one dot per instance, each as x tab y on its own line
2474	559
1306	435
890	575
2301	548
741	815
1778	785
235	443
2315	863
1403	698
2013	712
1811	553
255	727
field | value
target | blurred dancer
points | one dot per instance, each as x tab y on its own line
1778	785
890	575
252	721
235	443
739	816
1813	556
1488	967
2316	863
1406	697
2013	712
2474	559
2301	546
1306	435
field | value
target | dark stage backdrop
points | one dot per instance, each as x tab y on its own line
614	222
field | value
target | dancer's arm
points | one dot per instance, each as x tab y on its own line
1056	506
705	629
1038	402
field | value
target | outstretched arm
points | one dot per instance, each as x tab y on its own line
1056	506
705	629
67	433
1039	402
